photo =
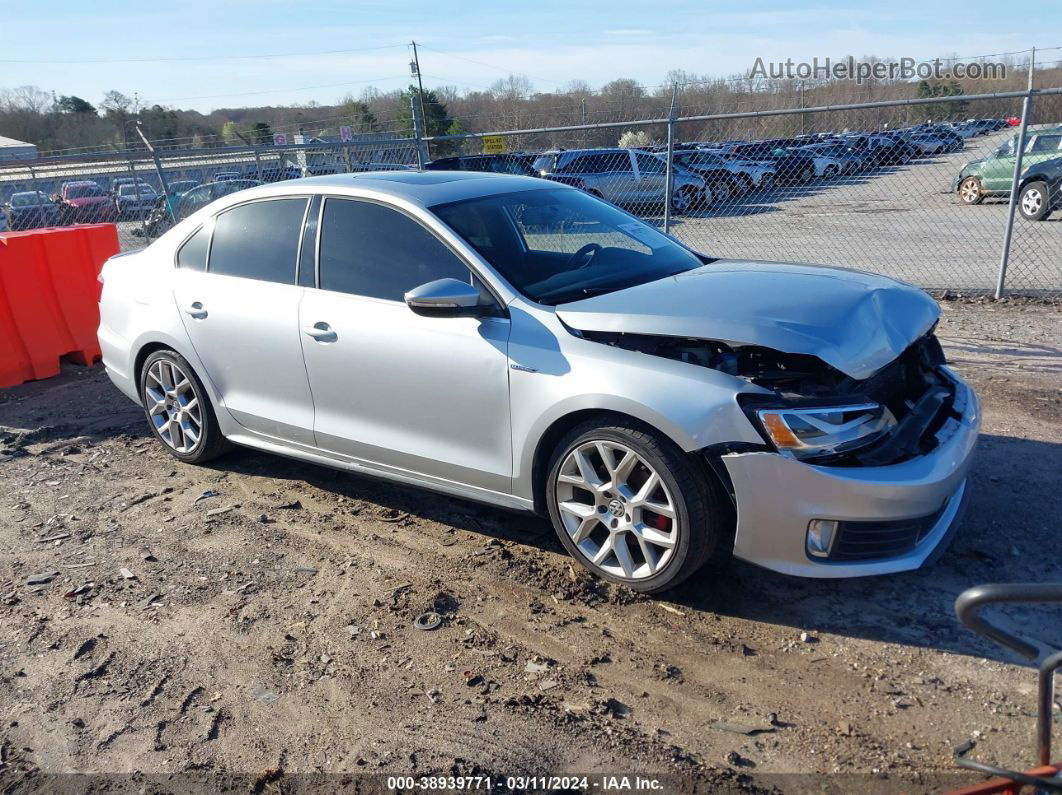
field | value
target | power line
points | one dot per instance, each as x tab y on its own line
284	90
168	59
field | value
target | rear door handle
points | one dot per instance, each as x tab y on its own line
196	310
322	332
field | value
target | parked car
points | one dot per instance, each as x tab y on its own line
928	143
135	200
175	190
993	175
276	173
30	209
789	166
850	161
118	182
954	141
1040	189
164	214
734	176
202	195
964	129
522	165
826	166
225	176
602	373
626	177
720	184
85	202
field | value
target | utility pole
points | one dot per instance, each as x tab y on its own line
415	67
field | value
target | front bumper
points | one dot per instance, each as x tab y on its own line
777	497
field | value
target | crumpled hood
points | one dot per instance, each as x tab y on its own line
855	322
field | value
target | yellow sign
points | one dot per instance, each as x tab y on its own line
494	144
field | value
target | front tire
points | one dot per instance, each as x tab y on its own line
970	191
178	410
1034	201
632	507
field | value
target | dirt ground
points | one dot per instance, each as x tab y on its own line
250	623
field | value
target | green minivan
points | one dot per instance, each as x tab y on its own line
992	175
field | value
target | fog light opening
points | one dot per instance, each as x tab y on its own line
821	533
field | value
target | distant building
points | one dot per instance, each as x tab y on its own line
10	149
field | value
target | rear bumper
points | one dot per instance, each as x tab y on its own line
777	498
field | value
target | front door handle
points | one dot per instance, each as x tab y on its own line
322	332
196	310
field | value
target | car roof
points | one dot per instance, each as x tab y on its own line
424	188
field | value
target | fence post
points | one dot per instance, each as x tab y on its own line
158	170
258	163
33	179
669	181
1012	203
418	134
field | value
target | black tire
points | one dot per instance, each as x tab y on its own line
701	508
1034	201
830	172
210	443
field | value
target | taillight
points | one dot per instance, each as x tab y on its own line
99	287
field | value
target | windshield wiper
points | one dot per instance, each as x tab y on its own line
584	292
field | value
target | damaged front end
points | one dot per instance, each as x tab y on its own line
817	414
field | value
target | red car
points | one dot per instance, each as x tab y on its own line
85	202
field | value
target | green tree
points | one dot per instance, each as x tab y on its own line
261	133
436	120
74	104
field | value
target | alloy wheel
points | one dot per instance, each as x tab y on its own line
1031	202
174	407
969	191
617	510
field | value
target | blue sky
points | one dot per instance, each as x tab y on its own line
548	42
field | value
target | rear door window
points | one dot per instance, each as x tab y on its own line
259	240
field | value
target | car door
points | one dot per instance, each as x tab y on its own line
652	178
236	291
419	394
997	172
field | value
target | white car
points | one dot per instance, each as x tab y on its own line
826	167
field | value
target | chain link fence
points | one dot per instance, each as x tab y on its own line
915	189
145	195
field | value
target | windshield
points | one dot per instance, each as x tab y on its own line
698	158
83	191
560	245
544	162
27	199
133	190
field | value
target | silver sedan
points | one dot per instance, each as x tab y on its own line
522	343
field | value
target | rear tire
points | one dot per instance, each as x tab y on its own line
178	409
632	507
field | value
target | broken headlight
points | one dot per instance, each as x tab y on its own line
811	431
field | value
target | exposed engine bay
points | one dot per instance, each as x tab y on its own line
912	387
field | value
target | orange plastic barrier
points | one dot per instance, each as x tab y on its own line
48	298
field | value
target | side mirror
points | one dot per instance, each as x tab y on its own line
446	298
